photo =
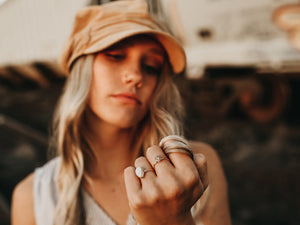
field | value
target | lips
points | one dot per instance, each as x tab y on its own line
127	98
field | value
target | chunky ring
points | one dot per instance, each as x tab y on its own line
175	138
140	171
174	143
158	158
178	150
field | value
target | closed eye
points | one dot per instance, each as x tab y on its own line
152	70
115	56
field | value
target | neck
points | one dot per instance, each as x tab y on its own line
114	150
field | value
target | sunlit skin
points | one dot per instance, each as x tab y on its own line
124	78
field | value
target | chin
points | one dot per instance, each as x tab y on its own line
124	124
121	118
126	119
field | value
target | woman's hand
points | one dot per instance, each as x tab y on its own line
167	192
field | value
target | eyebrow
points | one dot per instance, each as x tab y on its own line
155	51
120	46
158	52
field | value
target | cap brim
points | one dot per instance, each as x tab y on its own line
175	52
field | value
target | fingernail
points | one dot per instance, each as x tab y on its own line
199	156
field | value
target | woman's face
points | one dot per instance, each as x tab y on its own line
124	79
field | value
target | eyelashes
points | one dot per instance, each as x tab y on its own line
152	70
115	56
147	67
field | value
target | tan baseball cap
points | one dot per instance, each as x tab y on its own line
100	26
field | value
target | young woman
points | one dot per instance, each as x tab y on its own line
118	103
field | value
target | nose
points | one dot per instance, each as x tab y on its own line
133	76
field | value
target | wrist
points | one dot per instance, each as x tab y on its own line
187	220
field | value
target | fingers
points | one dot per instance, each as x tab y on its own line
193	173
201	165
156	156
167	180
132	182
158	160
180	160
188	169
147	174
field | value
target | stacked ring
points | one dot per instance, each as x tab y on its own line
158	158
175	143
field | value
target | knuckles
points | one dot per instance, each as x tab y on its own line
173	189
137	202
201	161
155	195
140	160
180	188
146	200
151	148
191	180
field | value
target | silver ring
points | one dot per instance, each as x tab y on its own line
178	150
158	158
175	144
140	171
173	138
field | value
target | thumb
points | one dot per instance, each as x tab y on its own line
201	164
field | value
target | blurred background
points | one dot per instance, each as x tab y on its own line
241	90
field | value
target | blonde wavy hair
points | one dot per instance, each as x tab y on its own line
164	118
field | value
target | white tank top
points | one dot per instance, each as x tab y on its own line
45	192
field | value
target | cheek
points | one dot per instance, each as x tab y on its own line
97	90
103	78
151	86
94	98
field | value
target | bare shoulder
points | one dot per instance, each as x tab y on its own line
22	209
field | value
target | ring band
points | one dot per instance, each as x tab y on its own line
141	171
159	158
183	151
173	138
174	143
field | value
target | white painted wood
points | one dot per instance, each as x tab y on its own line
35	29
243	33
